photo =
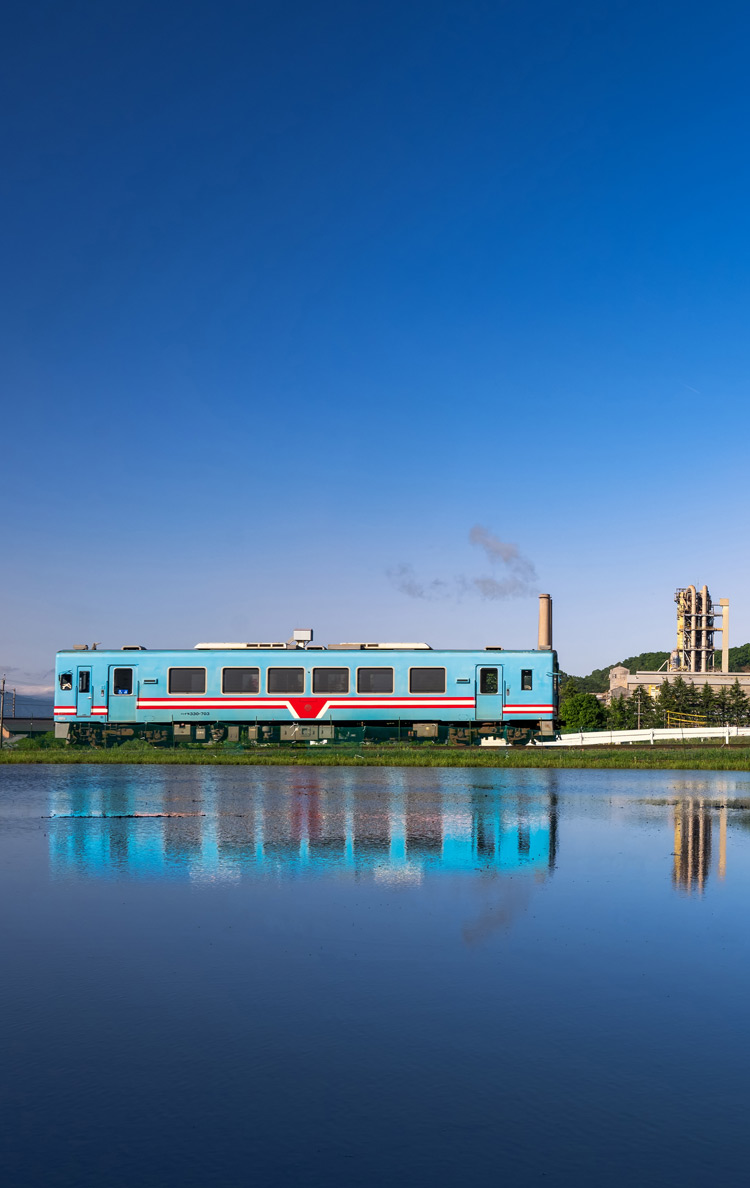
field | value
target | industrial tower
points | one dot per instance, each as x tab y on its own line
696	629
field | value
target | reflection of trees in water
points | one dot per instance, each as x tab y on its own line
693	835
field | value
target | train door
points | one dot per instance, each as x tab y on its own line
121	693
83	702
489	693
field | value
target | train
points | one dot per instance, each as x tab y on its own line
301	692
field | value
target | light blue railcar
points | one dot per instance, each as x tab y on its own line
256	693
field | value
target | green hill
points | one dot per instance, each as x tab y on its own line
739	658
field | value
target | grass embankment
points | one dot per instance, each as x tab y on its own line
676	757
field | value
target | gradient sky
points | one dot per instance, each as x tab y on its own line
296	295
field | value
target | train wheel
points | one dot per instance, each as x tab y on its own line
518	736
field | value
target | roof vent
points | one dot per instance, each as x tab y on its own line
400	647
381	647
226	647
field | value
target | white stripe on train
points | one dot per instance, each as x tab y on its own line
266	704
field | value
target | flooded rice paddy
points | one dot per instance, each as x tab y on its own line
363	977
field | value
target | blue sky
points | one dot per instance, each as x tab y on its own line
297	295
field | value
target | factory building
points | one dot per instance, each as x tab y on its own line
694	657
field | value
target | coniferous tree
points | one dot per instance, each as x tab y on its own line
665	702
722	706
644	709
692	698
680	696
617	714
638	715
707	704
628	722
737	706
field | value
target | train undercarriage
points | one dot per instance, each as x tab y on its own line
238	734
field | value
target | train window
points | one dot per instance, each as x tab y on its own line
84	681
187	680
122	681
525	678
330	680
427	680
240	680
488	682
375	680
286	680
66	680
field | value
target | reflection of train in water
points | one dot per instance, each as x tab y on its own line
317	824
263	693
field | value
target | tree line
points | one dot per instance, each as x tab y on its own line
726	706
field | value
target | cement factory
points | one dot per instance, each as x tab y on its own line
694	656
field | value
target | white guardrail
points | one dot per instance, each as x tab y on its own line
614	738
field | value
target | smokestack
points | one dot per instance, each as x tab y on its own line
545	623
724	604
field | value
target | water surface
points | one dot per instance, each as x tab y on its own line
367	976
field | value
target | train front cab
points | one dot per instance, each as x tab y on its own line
74	692
90	692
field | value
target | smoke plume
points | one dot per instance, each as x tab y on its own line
516	580
504	552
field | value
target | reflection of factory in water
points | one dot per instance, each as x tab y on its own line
313	827
693	838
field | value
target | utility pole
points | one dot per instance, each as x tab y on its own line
14	703
2	710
